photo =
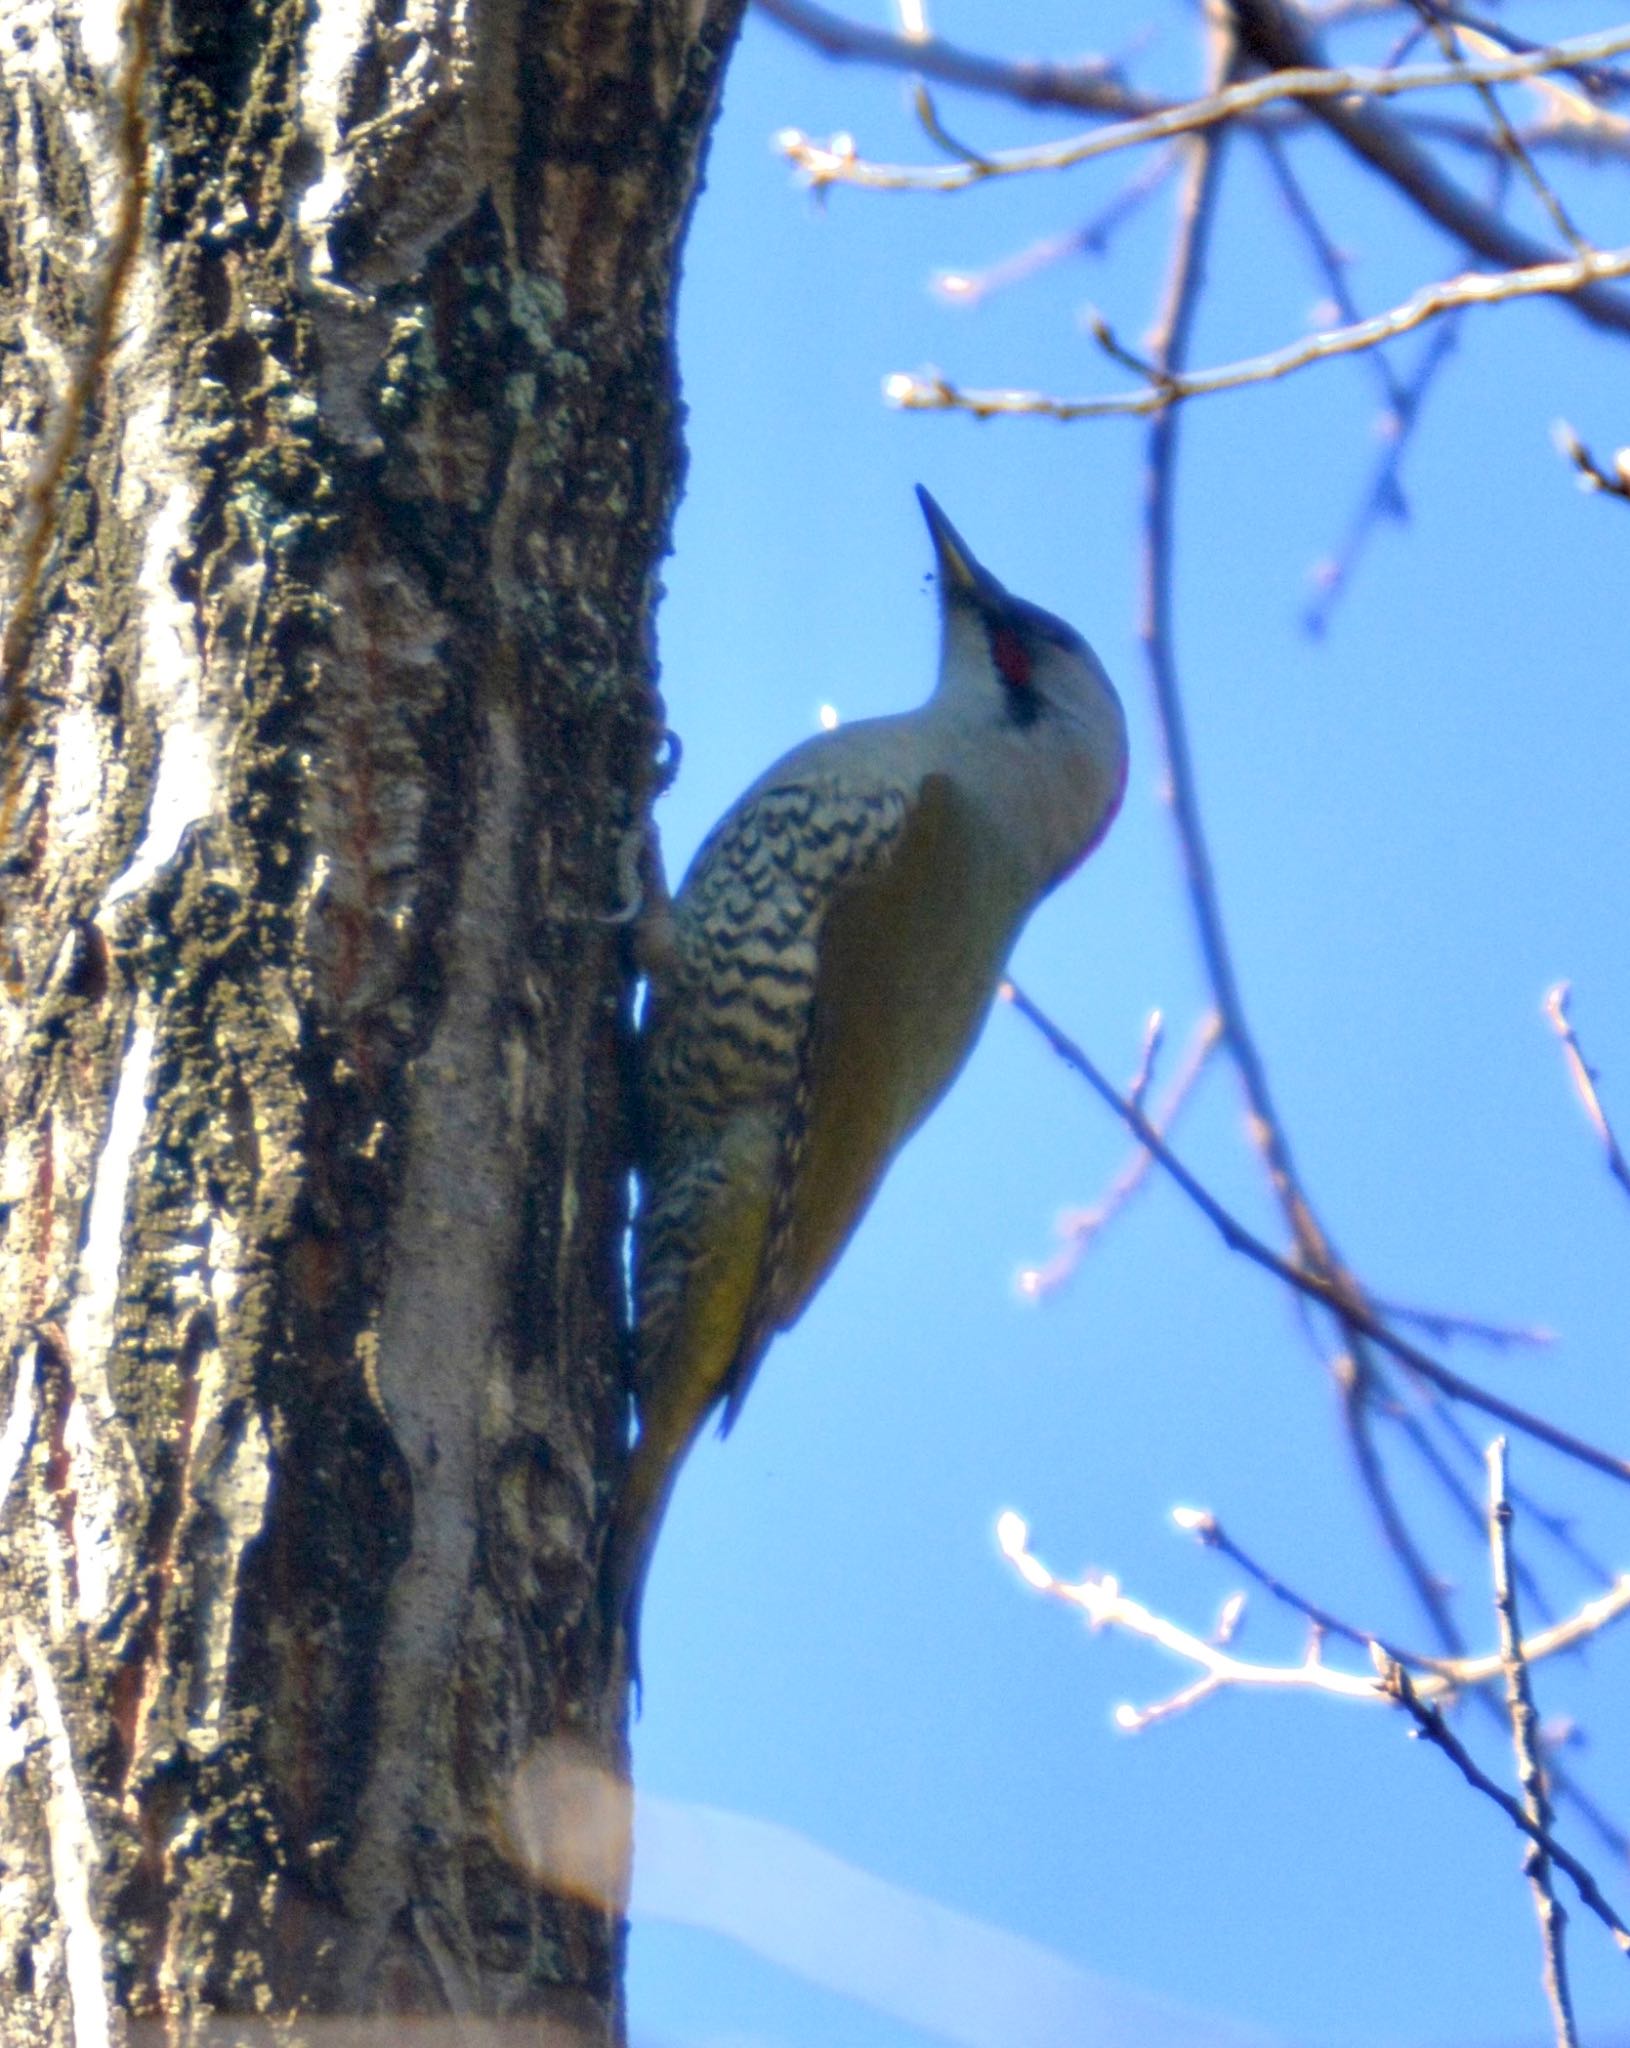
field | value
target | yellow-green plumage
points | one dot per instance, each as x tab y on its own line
834	950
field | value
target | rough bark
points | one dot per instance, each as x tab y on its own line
339	440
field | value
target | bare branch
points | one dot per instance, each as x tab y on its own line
1429	1720
1586	1621
1279	39
1168	350
929	392
1461	1497
1100	1598
1567	124
1089	86
837	163
1570	121
1095	85
1154	1036
1525	1739
1335	1294
1565	1787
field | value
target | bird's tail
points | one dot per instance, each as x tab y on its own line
688	1332
636	1520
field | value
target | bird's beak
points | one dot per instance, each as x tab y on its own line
960	574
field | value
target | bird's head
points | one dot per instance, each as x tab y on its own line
1008	667
1007	660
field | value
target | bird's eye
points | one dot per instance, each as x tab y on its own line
1011	656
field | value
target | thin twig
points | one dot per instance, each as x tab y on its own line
1445	1327
928	116
1553	1921
1327	259
968	287
1201	1523
1601	1824
1569	124
1317	1257
1154	1037
1335	1295
1584	1080
1511	146
1357	1381
1586	1621
1405	45
1592	475
1118	351
1080	1229
1428	1718
1564	278
1558	1528
1384	498
1464	1500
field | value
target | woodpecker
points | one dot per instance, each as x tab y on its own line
828	963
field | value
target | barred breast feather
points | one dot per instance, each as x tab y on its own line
726	1077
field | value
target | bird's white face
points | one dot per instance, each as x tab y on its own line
1026	666
1006	661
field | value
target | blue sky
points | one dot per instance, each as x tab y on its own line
1419	825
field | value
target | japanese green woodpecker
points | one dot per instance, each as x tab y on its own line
830	959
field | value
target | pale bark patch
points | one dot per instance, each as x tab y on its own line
73	1854
99	1460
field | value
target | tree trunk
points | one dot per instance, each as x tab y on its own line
340	445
